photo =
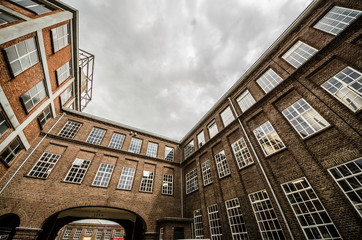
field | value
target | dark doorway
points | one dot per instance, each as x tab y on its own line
8	224
178	233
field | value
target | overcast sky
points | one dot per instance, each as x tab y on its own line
161	65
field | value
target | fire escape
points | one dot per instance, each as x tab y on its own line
86	67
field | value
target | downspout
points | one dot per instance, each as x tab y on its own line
182	195
26	159
263	171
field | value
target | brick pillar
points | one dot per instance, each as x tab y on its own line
23	233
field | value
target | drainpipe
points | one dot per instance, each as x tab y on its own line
263	171
26	159
182	196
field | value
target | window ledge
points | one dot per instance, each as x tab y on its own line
247	166
317	133
275	153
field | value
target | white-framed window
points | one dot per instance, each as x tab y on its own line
152	149
191	181
167	184
268	138
346	87
212	128
22	56
206	173
169	154
189	149
70	129
236	220
299	54
245	100
214	222
269	80
117	141
337	19
201	139
66	95
44	165
96	136
63	73
266	217
308	209
227	116
198	225
222	164
89	232
349	178
103	175
77	171
6	18
77	234
45	116
135	145
242	154
33	6
67	233
161	233
99	234
304	118
10	153
32	97
146	181
117	233
60	37
126	179
107	236
4	124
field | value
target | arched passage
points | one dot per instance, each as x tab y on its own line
134	225
8	224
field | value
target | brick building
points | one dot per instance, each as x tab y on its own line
277	157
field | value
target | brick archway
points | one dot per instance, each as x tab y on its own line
134	225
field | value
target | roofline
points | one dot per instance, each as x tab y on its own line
107	121
281	38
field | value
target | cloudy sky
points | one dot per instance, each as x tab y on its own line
160	65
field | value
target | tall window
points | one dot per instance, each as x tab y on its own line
227	116
214	222
89	232
268	138
161	233
107	236
6	18
152	149
146	181
77	171
66	95
135	145
189	149
304	118
245	100
60	36
299	54
99	234
33	6
70	129
212	128
199	227
22	56
117	141
266	218
206	173
77	234
117	233
346	87
191	181
10	153
169	152
167	184
45	116
103	175
222	164
96	136
201	138
32	97
44	165
236	220
269	80
126	179
63	73
349	179
67	233
311	215
4	125
241	153
337	19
